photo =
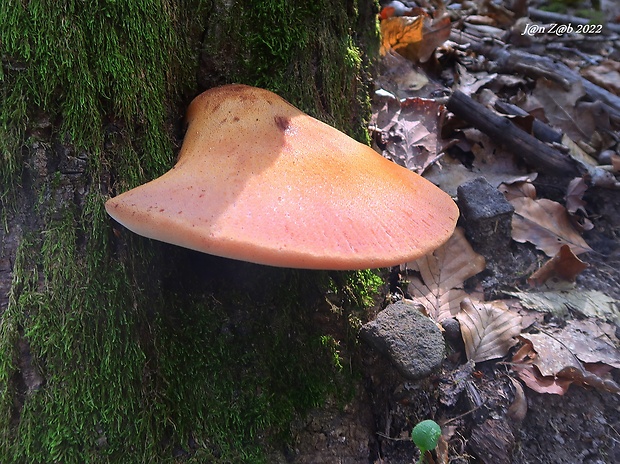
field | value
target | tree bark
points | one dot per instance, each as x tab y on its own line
116	348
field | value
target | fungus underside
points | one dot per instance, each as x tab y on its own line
119	367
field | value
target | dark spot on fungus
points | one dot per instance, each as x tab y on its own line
281	122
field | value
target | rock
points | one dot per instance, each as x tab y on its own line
408	338
487	215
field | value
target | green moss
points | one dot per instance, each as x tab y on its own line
136	366
83	63
305	51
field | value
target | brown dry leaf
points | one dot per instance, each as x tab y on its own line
442	275
522	364
575	204
447	432
564	265
546	224
402	79
541	384
522	187
587	341
400	31
574	195
488	329
606	75
496	164
518	408
561	108
415	38
470	83
409	131
555	361
587	303
553	355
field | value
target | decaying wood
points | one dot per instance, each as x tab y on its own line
513	60
540	130
504	132
493	441
533	151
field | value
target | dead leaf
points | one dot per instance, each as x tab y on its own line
418	125
415	38
553	356
522	364
403	79
400	31
518	408
588	343
577	152
587	303
606	75
546	224
470	83
561	108
488	329
575	204
496	164
564	265
408	131
555	361
574	195
442	275
521	187
532	378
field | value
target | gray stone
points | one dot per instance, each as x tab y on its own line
408	338
486	214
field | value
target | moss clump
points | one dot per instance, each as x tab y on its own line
74	66
305	51
106	356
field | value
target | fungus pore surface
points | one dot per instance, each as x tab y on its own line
258	180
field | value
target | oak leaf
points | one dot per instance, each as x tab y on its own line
442	273
408	130
488	329
546	224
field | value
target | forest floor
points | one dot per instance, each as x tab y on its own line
544	300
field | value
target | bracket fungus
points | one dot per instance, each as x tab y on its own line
258	180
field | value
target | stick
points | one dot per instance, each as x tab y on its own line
501	130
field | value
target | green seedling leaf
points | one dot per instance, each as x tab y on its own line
426	435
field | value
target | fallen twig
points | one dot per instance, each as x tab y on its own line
500	129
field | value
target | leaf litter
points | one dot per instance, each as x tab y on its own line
557	332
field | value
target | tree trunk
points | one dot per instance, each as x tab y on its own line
116	348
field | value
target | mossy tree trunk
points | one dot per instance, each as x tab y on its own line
115	348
